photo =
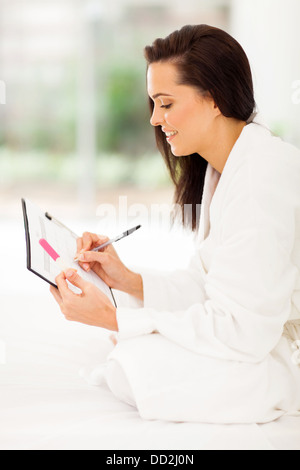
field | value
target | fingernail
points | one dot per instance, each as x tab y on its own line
86	266
70	272
80	257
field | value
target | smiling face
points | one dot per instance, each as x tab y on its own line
187	118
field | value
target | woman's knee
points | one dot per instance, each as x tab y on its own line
118	383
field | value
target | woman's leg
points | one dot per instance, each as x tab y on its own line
118	383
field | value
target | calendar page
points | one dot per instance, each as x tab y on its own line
62	239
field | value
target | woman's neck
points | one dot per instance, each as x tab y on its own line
226	134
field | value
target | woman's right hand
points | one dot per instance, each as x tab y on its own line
107	265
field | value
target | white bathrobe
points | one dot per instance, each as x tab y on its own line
218	342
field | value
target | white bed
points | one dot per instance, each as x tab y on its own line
46	403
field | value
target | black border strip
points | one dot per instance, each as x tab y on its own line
28	246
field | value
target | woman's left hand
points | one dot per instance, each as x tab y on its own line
91	307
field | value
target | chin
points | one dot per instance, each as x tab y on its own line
180	153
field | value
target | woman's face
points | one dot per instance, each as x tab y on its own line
185	116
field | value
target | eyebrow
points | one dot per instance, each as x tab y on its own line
159	94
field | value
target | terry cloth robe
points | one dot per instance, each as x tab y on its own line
218	342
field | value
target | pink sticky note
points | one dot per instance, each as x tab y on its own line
48	248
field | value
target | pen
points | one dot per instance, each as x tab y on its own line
113	240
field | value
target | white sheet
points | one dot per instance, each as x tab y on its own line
46	404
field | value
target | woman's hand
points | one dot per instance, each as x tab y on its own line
107	265
91	307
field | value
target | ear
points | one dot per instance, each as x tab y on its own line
213	106
217	112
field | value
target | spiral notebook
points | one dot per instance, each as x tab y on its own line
39	224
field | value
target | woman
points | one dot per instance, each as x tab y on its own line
217	342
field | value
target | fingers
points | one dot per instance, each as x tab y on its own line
62	284
55	292
91	240
91	306
88	241
90	256
79	243
75	279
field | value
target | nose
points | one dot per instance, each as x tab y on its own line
157	117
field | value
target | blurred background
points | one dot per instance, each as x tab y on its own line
74	128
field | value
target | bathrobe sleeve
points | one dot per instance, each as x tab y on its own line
250	281
173	290
178	289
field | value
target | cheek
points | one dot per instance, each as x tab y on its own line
187	119
177	118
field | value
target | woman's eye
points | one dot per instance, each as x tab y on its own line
166	106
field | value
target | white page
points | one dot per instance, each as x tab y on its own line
63	242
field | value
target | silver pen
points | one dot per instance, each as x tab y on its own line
115	239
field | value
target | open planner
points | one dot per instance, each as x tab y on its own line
41	225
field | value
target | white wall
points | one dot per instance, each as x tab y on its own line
269	31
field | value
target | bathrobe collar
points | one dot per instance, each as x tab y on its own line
213	180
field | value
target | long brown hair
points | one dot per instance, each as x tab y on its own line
211	60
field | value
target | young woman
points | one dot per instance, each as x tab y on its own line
218	342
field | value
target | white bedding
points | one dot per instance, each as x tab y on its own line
45	402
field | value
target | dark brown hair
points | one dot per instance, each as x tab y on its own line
212	61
